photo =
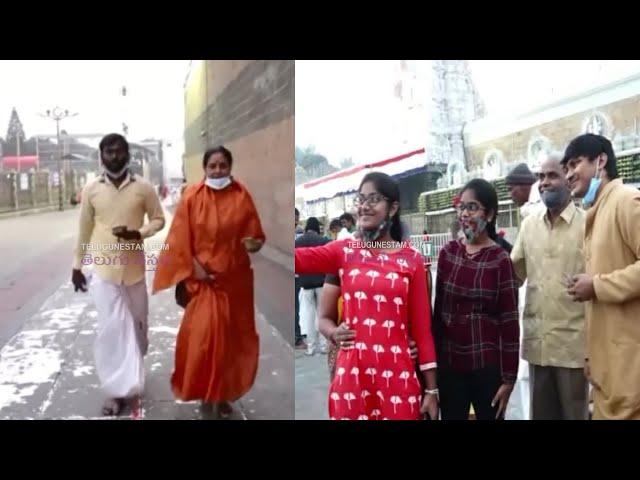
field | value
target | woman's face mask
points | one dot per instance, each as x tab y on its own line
218	183
375	234
217	172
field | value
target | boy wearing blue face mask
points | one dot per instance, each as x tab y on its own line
611	284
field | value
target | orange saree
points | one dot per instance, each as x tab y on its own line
216	357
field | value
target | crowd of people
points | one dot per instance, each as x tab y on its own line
309	287
394	355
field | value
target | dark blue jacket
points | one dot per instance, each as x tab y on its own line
311	239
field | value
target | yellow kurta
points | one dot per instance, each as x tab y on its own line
612	256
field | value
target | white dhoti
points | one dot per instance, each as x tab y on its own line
121	341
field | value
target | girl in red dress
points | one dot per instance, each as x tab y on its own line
385	298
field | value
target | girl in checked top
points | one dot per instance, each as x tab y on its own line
385	298
476	312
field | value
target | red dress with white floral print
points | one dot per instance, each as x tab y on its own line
385	301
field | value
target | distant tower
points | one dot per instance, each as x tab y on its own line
454	102
410	118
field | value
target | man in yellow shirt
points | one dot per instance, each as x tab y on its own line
111	237
547	251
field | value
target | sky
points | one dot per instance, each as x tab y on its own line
342	106
153	107
345	108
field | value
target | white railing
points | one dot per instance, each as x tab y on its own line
510	234
430	245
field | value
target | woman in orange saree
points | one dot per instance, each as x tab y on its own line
214	228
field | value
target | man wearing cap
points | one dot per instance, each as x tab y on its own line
522	185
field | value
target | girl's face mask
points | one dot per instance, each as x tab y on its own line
473	228
472	218
371	235
471	215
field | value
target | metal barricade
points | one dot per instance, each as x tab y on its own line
430	245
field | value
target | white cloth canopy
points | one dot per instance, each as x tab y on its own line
349	179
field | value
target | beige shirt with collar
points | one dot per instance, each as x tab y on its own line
103	207
553	324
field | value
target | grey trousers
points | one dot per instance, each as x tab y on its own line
558	393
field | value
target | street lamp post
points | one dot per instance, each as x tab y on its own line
57	114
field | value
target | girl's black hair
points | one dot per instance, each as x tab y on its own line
487	196
387	186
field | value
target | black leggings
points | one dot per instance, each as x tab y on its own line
459	390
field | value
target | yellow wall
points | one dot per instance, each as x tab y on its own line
195	92
220	73
263	161
264	155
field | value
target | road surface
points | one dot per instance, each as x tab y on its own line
47	331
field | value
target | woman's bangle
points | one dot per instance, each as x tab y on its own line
435	391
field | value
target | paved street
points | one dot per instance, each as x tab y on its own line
312	386
36	259
47	333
